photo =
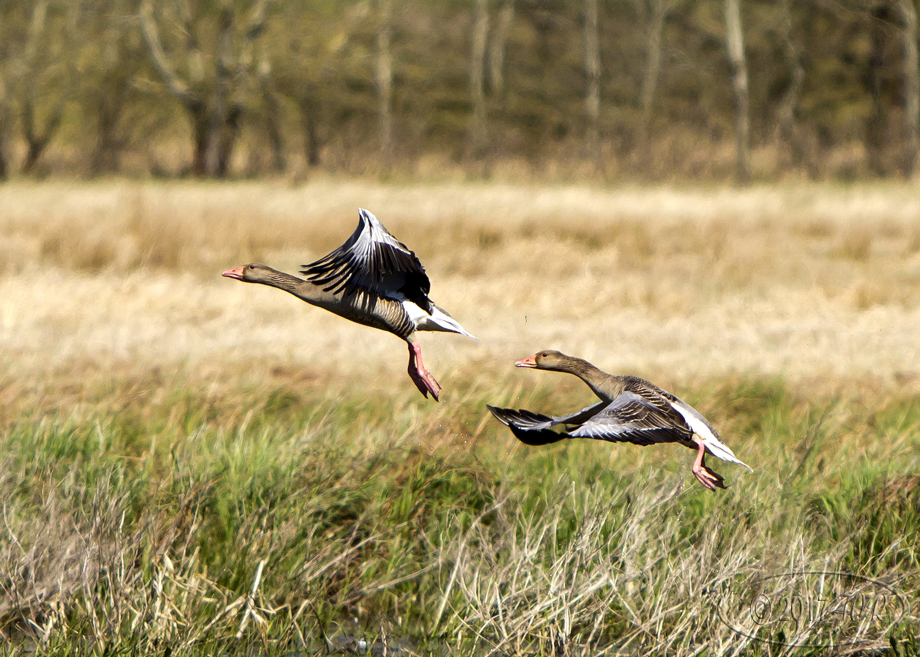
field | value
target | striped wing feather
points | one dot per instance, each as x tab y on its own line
530	428
374	261
634	419
629	418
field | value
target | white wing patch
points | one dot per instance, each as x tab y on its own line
438	320
701	429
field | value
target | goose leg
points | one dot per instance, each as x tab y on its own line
707	477
420	376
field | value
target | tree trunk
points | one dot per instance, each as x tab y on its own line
311	142
201	138
497	48
272	114
4	122
876	123
37	138
911	87
477	75
275	136
734	38
385	84
227	140
788	133
215	107
104	158
115	74
37	141
4	167
593	75
652	61
222	133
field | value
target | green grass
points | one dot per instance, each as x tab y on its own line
176	519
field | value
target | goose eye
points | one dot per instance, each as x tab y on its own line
252	266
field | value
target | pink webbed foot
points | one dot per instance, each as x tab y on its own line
421	377
706	476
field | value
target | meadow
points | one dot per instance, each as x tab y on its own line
196	466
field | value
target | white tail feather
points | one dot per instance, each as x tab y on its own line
722	451
438	320
705	433
445	322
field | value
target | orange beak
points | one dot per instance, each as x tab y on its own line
236	272
527	362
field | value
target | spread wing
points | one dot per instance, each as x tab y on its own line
633	418
372	260
535	429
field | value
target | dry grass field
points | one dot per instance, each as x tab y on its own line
193	464
807	283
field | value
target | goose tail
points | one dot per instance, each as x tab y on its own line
440	320
722	451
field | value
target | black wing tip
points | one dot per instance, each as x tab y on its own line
509	416
527	435
536	437
501	414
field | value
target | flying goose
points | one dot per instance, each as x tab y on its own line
631	410
372	279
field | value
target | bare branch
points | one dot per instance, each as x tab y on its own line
31	66
177	87
254	30
256	21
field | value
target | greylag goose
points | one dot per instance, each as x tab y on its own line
631	410
372	279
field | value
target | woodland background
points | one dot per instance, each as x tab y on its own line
645	90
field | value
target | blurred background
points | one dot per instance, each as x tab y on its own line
640	90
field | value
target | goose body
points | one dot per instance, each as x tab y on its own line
631	410
372	279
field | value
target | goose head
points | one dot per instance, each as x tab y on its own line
254	273
555	361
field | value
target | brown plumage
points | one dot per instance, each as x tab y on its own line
372	279
631	410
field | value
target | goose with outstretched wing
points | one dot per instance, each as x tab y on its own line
372	279
631	410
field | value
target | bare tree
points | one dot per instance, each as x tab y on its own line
477	78
593	75
272	111
653	41
497	47
4	94
385	81
735	42
876	139
911	87
214	97
113	59
788	132
313	73
45	75
4	123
